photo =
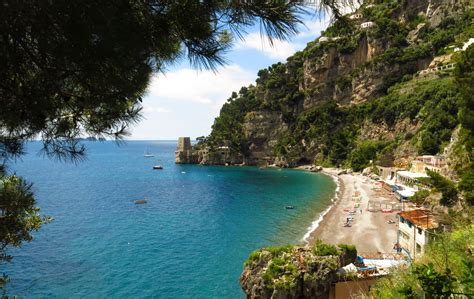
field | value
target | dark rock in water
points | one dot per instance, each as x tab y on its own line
140	201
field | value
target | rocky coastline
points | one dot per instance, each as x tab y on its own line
326	104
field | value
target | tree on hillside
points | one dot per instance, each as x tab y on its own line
447	188
464	74
80	68
420	197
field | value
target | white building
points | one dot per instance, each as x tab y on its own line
366	25
324	39
409	178
465	46
414	230
356	16
328	39
434	163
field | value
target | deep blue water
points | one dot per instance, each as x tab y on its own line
189	241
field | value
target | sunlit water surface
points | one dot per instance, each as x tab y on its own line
189	241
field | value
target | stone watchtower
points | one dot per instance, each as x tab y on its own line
184	151
184	144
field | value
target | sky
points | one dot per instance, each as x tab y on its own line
184	101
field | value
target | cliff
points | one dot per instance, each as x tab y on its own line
294	272
358	93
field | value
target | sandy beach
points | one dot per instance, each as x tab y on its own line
370	232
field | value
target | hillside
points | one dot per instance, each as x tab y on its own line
392	81
375	86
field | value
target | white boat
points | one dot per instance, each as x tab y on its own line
148	154
157	167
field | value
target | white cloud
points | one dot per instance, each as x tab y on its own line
184	102
204	87
279	50
314	28
152	109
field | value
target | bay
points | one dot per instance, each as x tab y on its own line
189	240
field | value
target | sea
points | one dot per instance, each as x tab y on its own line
190	240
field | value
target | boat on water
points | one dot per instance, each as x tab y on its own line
289	207
148	154
157	167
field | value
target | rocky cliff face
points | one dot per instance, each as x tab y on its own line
292	272
262	129
348	68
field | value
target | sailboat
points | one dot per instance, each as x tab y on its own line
147	154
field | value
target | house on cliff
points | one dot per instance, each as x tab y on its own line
415	230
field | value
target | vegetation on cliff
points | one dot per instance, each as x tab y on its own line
446	269
404	114
294	272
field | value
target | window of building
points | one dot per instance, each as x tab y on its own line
404	236
418	248
409	224
420	231
402	220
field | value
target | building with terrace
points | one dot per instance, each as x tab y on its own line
415	230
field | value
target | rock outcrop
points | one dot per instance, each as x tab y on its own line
293	272
262	129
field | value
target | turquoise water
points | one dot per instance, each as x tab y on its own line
189	241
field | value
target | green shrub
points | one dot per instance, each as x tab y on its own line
323	249
420	196
364	153
447	268
449	193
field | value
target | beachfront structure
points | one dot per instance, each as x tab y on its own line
414	230
390	187
387	173
435	163
409	178
367	25
405	193
356	279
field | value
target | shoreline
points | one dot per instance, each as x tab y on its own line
315	224
370	232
